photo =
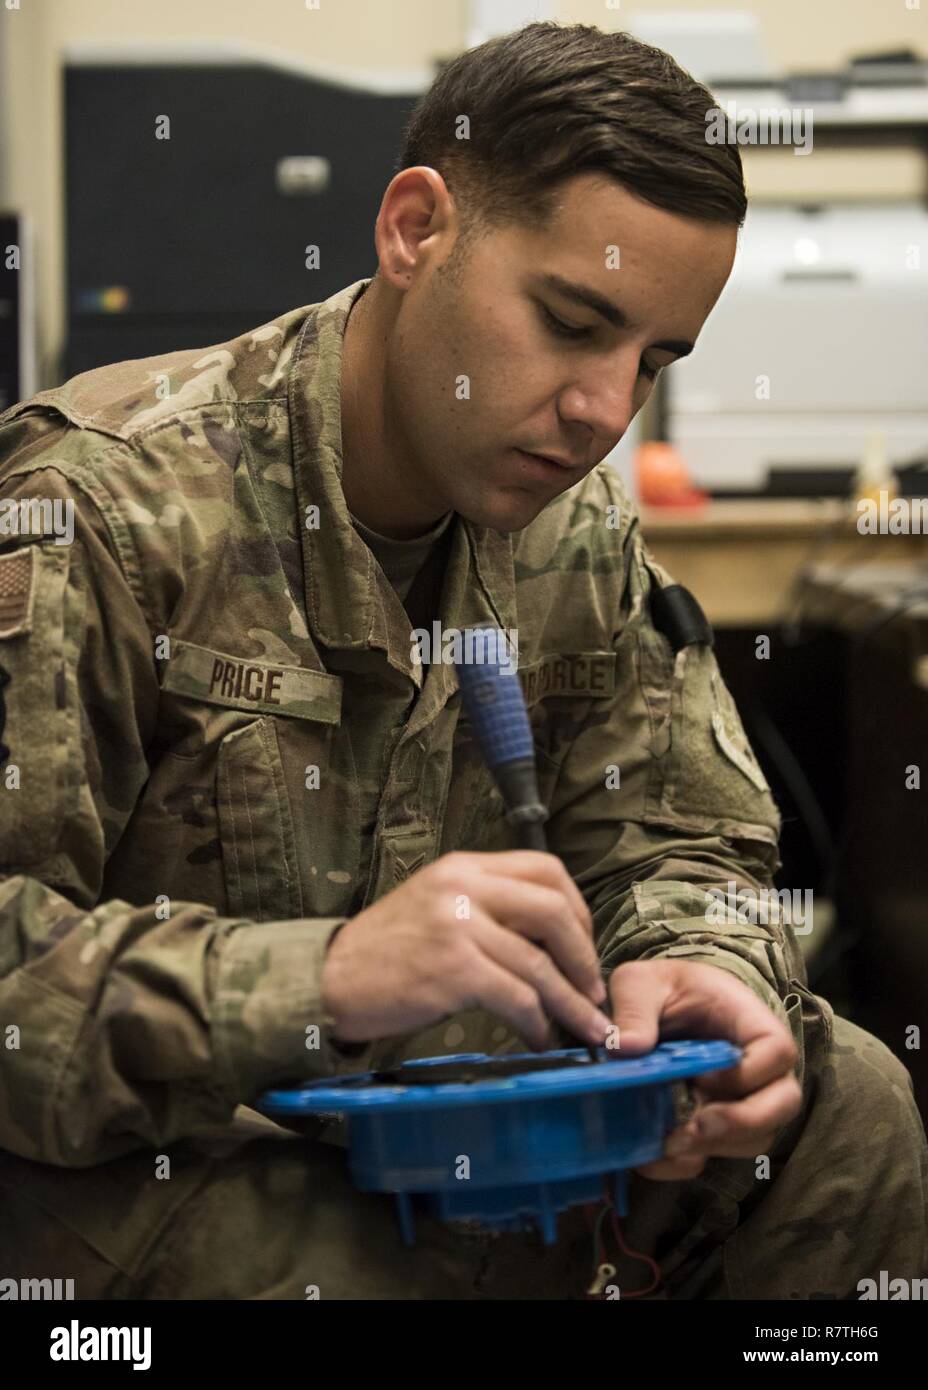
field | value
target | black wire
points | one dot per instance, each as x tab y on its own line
797	784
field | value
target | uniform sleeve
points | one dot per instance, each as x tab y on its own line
120	1026
660	798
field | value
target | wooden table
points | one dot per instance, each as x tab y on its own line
744	559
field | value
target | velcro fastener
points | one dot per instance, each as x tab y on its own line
677	614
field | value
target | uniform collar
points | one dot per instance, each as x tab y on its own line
349	602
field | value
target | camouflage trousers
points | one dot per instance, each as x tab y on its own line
267	1214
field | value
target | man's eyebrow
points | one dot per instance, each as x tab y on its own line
591	299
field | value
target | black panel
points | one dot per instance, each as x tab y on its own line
194	227
10	311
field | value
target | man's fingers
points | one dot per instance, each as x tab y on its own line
531	967
702	1001
541	915
672	1169
718	1002
768	1109
497	990
763	1060
537	866
743	1129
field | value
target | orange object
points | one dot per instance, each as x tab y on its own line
663	479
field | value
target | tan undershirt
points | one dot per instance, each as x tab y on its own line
401	561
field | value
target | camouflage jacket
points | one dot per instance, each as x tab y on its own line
208	684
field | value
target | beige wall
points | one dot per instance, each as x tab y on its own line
806	34
366	34
363	34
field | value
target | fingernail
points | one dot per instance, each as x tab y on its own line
712	1126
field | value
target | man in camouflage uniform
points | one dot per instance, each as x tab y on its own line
226	849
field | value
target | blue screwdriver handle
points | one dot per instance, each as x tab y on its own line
492	697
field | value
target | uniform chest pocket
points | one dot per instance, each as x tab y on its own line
256	826
706	770
476	817
474	801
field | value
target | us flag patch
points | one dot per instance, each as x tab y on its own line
17	591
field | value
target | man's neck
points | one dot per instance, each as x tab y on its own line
376	490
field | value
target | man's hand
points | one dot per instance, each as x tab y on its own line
504	931
746	1105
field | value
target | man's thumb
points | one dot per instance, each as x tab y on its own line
637	1001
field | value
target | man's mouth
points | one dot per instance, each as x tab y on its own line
560	465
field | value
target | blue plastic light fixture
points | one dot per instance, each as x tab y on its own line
506	1151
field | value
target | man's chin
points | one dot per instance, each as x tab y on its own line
509	510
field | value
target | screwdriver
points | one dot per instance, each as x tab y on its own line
492	697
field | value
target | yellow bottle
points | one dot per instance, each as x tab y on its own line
874	475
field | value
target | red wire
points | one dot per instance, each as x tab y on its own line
626	1250
635	1255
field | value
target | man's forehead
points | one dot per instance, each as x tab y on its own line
598	207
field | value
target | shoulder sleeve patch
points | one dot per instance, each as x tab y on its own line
17	591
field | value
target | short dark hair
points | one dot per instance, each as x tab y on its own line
548	102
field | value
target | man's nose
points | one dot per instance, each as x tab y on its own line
603	398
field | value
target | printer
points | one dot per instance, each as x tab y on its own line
818	341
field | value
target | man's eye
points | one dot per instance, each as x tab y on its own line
566	330
563	330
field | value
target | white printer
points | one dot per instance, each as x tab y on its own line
820	339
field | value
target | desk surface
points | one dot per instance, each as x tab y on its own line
750	516
743	559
